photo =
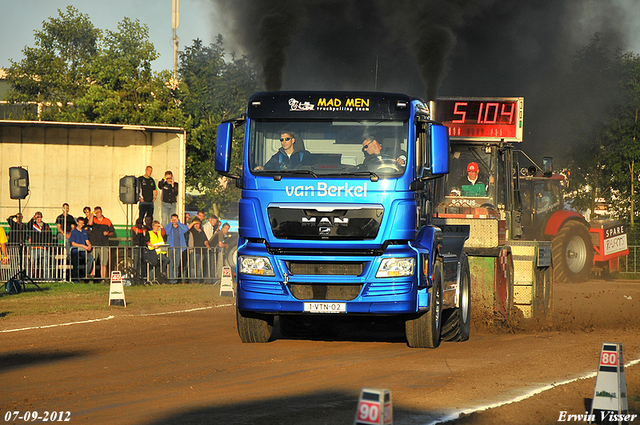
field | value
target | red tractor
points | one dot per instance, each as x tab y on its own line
578	245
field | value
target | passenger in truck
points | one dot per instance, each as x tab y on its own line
374	151
291	154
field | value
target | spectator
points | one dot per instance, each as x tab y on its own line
18	232
187	217
3	246
218	239
199	216
211	227
176	232
101	230
81	246
65	223
40	239
197	242
140	240
157	254
169	189
148	193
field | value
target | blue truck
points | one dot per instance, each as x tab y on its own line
336	215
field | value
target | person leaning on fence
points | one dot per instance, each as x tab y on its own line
81	247
101	230
176	232
3	246
197	243
156	255
40	239
140	241
18	234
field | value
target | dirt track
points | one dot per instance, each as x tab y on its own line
190	367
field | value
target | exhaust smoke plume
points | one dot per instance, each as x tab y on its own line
431	48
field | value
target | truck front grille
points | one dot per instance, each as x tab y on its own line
321	291
325	268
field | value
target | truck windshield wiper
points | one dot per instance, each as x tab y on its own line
277	174
374	177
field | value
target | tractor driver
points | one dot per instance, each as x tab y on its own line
473	186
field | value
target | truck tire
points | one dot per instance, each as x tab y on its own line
424	330
456	322
572	253
254	327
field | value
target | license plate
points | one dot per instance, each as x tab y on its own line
325	307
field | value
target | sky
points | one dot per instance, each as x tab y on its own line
20	18
424	48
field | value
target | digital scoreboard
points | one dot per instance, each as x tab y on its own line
482	119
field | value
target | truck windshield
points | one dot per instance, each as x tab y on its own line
471	181
330	147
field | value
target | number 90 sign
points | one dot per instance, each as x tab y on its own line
368	413
374	408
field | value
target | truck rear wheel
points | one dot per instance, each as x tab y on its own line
572	253
254	327
424	330
457	321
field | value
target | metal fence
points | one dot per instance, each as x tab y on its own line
630	263
139	265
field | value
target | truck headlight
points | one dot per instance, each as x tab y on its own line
256	265
396	267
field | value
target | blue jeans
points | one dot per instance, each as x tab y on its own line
175	263
167	210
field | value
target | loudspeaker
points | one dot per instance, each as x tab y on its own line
129	190
18	183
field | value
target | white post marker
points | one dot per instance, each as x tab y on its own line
610	394
226	285
116	290
374	408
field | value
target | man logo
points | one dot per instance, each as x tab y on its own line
325	221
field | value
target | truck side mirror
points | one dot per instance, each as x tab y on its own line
223	147
439	147
547	166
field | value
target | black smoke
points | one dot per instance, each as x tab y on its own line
429	48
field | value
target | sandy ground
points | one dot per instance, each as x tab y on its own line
139	365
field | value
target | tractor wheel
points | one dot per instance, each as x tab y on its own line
424	330
254	327
457	321
572	253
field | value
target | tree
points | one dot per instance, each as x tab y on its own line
55	71
595	80
81	75
212	90
622	140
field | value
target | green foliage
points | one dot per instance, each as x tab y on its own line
81	74
605	159
212	90
78	73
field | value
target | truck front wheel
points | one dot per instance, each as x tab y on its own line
254	327
424	331
457	321
572	253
